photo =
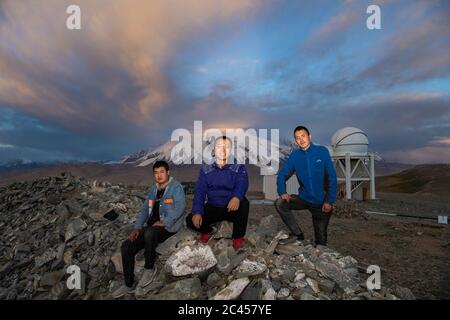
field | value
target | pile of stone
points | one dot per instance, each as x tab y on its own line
271	268
50	224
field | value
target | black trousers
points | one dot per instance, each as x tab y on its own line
320	219
148	239
216	214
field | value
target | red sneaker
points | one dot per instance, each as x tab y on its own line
238	244
204	237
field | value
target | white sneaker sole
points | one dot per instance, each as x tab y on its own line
143	285
122	294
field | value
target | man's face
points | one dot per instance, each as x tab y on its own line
161	175
302	138
222	149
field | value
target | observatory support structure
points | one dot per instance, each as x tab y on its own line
353	173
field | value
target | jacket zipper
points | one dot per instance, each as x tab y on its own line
309	173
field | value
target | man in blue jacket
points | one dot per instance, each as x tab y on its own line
317	178
160	218
224	184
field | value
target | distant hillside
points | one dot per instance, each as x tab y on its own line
427	178
422	178
117	173
384	168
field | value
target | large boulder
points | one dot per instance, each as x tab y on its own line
191	260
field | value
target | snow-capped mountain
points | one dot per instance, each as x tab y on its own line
252	150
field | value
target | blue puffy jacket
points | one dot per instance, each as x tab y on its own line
219	185
311	167
171	206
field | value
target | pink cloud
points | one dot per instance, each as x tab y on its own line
136	38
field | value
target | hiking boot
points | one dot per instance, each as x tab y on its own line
122	290
238	244
205	237
292	239
147	277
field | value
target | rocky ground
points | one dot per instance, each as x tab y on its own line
51	223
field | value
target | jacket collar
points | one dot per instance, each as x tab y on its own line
170	181
231	160
310	148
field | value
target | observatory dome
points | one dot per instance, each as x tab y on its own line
350	140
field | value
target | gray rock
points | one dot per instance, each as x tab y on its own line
403	293
51	278
214	280
313	285
221	245
289	250
45	258
223	261
22	248
191	260
59	291
267	292
182	238
268	226
307	296
273	244
116	259
276	285
347	262
252	291
336	274
233	290
351	272
74	208
289	274
54	199
186	289
74	228
228	260
249	268
59	257
283	293
326	285
90	238
225	230
255	239
61	211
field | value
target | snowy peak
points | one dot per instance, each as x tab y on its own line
148	157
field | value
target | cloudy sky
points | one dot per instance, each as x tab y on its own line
138	70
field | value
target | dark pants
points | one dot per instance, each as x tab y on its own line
320	219
215	214
149	238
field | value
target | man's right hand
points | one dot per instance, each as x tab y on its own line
285	197
197	220
134	234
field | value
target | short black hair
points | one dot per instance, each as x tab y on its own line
298	128
223	138
159	164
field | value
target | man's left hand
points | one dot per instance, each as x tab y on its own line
326	207
158	224
233	205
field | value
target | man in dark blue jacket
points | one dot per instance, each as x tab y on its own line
223	185
317	178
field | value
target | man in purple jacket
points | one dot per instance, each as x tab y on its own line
223	185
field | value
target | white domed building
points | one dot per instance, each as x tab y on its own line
354	164
349	139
